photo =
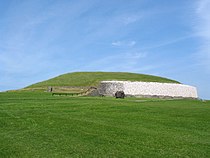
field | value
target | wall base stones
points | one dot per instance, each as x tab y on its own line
148	89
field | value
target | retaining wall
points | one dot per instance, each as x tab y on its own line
148	89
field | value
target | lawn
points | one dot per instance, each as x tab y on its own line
34	124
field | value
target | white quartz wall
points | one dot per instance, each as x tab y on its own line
148	89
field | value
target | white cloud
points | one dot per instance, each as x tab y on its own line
124	43
117	43
130	19
203	31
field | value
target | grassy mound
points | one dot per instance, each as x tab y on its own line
93	79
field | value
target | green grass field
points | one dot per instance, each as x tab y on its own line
93	79
36	124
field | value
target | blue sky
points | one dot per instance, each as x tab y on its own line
42	39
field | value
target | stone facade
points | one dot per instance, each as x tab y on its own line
148	89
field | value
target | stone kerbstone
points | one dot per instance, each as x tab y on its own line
109	88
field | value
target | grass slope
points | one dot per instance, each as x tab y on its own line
39	125
93	78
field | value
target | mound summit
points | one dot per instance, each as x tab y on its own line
94	78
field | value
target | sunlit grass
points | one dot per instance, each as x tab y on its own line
36	124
